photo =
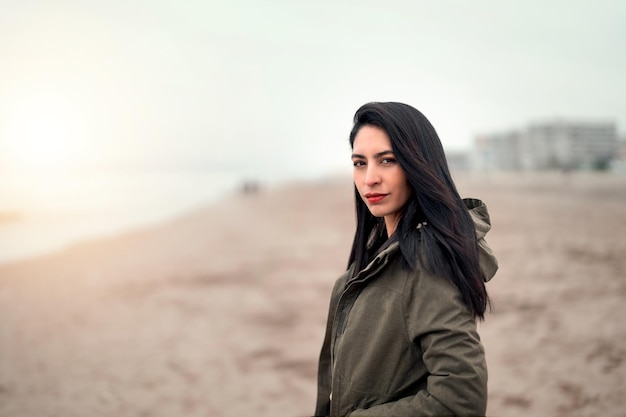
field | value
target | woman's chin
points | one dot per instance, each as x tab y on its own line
377	212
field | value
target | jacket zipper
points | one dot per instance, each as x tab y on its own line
374	267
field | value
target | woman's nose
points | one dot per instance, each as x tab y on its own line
372	176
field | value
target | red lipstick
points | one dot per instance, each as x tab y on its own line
374	198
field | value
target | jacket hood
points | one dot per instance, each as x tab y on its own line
480	216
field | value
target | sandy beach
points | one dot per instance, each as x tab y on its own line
221	312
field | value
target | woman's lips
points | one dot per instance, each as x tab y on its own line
374	198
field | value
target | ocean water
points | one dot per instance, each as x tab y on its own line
45	214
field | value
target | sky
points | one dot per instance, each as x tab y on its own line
261	86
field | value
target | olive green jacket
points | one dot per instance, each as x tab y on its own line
401	342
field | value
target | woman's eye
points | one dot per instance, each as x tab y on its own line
358	163
387	161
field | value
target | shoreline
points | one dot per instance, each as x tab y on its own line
28	236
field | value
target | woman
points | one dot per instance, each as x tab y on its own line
401	336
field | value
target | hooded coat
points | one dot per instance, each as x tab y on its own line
402	342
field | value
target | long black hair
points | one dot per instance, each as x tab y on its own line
448	240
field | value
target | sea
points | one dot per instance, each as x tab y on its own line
40	215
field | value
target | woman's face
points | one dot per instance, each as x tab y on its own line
378	177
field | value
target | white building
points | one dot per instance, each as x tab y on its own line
557	144
499	151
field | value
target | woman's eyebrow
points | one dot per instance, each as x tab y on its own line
378	155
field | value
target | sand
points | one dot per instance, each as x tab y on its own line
221	312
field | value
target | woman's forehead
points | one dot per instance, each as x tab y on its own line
371	139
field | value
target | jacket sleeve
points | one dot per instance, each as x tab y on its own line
444	331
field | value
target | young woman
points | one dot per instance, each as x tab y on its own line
401	336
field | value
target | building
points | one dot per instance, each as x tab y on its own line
557	144
618	164
499	151
458	161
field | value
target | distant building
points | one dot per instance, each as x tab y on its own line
618	164
499	151
557	144
458	160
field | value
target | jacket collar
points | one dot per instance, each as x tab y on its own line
375	264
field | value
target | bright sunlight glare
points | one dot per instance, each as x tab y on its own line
44	132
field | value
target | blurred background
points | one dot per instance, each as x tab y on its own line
175	196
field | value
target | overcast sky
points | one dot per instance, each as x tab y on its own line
263	85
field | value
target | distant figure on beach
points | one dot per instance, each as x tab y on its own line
250	187
401	335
